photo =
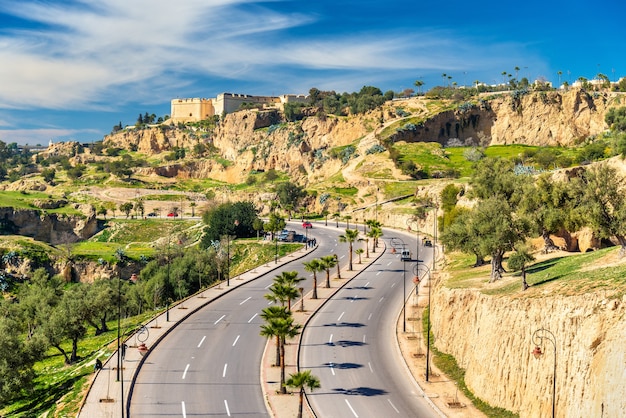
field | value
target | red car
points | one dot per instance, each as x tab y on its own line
172	214
307	224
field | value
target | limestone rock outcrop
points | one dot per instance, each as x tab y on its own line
491	338
50	227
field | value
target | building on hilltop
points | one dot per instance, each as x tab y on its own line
193	110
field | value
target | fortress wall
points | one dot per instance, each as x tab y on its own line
186	110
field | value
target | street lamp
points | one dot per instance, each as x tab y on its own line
430	285
538	337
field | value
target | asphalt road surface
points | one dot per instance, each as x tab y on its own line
350	344
209	365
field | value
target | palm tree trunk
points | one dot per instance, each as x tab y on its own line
277	362
314	286
283	389
301	402
327	278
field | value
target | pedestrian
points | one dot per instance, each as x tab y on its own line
98	365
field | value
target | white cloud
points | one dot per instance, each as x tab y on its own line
89	54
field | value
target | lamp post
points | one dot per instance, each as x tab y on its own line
538	337
430	285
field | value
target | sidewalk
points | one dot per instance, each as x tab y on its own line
106	394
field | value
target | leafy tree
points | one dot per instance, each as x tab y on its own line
494	177
102	210
499	231
289	194
519	260
102	304
350	236
231	219
48	174
616	119
547	204
258	226
276	223
126	207
449	197
300	380
17	358
67	321
602	203
460	234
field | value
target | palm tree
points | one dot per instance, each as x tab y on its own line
350	236
314	266
336	217
347	219
283	328
375	233
288	278
359	251
281	293
274	312
328	262
419	84
338	266
300	380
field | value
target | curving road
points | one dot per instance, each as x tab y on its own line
209	365
350	344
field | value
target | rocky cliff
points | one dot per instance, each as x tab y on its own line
491	338
541	118
51	228
261	140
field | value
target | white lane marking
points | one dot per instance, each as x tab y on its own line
224	372
393	406
268	286
246	300
332	368
221	317
363	338
340	316
184	410
378	273
367	284
236	339
393	284
330	340
351	409
201	341
185	372
389	263
343	256
270	302
226	405
369	317
370	366
381	299
253	316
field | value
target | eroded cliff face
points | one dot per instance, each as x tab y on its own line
540	118
491	338
50	228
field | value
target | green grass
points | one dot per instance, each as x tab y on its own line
20	200
569	275
57	381
106	250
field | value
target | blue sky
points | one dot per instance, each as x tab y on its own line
71	69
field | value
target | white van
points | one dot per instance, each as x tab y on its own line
405	255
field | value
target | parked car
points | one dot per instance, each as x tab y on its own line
172	215
307	224
405	255
152	215
428	243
